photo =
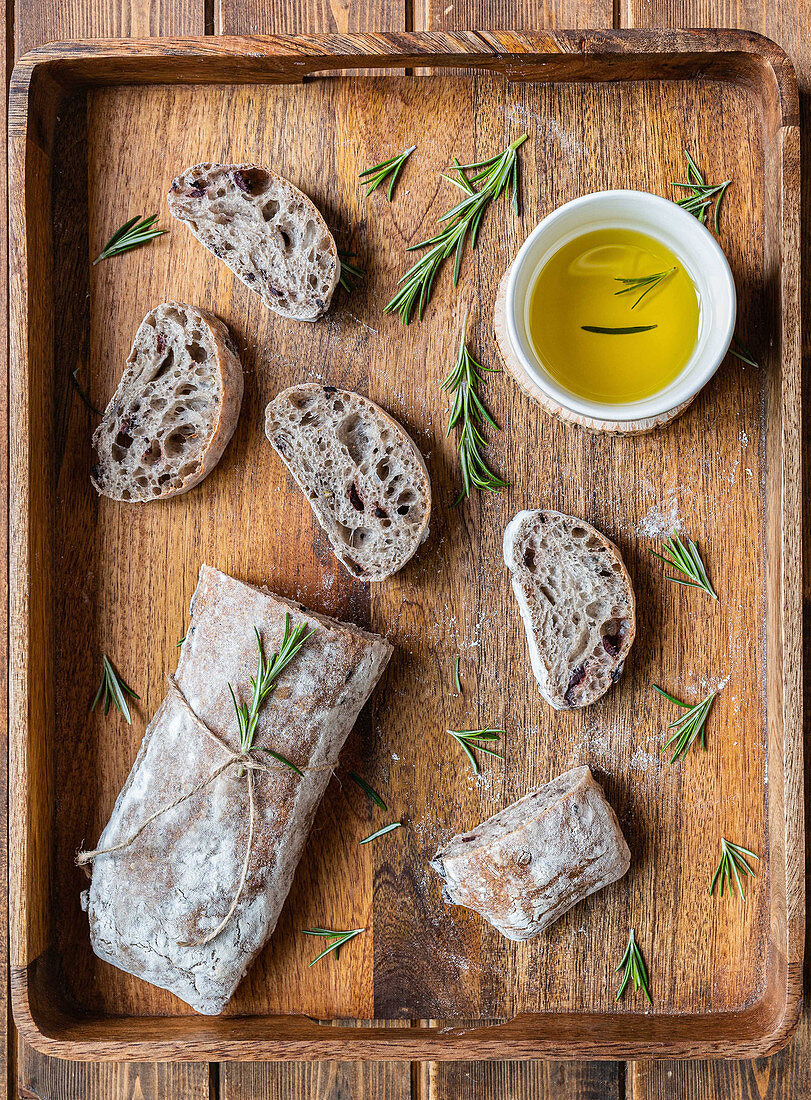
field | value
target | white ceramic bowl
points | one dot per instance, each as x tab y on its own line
696	249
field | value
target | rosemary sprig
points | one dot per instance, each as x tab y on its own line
368	790
467	740
131	234
635	970
86	397
618	331
375	175
349	272
264	682
463	382
339	938
740	351
462	221
732	862
457	683
690	726
382	832
646	284
688	562
113	689
701	194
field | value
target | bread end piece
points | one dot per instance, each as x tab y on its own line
527	865
576	601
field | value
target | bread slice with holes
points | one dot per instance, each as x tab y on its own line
174	410
266	230
577	603
361	472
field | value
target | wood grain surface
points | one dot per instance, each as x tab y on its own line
786	1074
108	560
28	1074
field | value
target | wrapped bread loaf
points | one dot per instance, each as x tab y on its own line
156	899
531	862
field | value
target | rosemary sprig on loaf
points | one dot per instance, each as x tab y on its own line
263	683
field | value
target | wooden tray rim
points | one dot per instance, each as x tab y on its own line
751	1033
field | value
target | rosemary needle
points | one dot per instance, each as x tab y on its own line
263	683
349	272
340	939
85	396
687	560
130	235
457	683
462	222
467	740
740	351
618	331
469	410
690	726
382	832
375	175
635	970
732	862
368	790
646	284
113	689
701	195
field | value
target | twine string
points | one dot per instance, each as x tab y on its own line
247	764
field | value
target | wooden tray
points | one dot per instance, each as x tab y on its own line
96	132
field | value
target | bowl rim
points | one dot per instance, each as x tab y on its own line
699	374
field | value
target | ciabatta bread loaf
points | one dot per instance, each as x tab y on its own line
153	901
527	865
174	410
266	230
577	603
361	472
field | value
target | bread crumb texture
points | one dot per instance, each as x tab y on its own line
174	410
576	601
362	474
267	231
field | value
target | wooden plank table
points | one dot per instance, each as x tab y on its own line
28	1074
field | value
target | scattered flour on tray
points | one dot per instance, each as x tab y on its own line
548	131
661	521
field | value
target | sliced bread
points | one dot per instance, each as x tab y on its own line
361	472
174	410
266	230
527	865
576	601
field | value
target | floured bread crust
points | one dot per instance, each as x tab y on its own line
177	880
527	865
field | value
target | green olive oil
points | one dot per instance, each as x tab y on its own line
613	316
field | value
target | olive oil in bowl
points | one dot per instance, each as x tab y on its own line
613	316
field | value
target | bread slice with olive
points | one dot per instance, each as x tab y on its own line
266	230
174	410
362	473
577	603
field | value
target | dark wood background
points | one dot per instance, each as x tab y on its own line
788	1074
